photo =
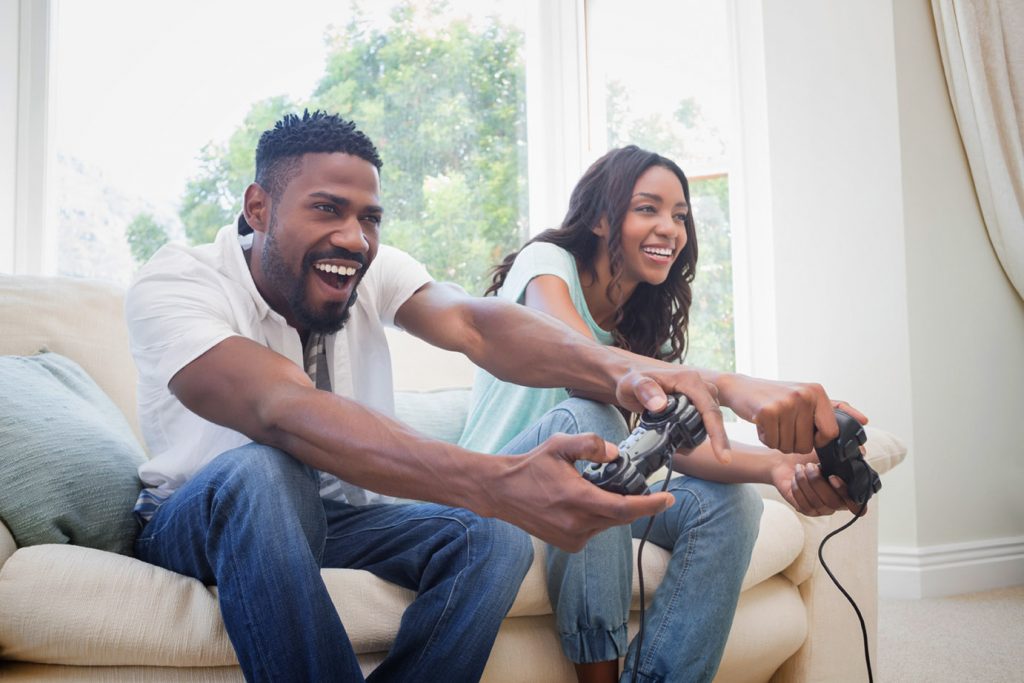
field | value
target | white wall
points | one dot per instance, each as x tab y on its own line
966	328
885	286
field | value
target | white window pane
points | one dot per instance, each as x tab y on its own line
163	123
660	78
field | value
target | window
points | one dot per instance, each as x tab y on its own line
153	131
659	73
154	136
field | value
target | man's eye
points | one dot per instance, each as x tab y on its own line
327	208
375	219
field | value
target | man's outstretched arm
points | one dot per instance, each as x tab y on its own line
245	386
523	346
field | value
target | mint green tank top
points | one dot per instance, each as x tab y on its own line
499	410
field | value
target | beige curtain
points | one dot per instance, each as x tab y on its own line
982	46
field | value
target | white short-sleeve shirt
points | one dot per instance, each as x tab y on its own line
186	300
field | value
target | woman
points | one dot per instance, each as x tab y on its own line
619	269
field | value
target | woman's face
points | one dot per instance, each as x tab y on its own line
654	228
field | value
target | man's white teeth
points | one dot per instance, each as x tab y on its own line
338	270
658	251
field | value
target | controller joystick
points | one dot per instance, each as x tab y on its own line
842	457
649	447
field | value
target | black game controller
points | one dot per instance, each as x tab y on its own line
649	447
842	457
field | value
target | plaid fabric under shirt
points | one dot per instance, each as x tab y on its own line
315	355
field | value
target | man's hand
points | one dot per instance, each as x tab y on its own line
647	389
542	493
800	481
792	417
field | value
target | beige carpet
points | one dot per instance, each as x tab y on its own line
975	637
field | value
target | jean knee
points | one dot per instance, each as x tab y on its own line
271	487
733	508
504	549
580	415
257	465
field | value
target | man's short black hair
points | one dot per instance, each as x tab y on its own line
281	147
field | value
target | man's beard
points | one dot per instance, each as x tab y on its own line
293	287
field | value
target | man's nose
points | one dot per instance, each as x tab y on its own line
349	235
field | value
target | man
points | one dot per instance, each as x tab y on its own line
265	398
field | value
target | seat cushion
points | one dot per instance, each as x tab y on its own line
125	611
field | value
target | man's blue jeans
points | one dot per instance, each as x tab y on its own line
252	523
710	532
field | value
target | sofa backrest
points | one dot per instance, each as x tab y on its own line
418	366
80	319
84	320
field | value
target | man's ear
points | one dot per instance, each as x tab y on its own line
256	207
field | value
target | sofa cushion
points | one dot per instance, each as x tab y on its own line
68	458
439	414
130	612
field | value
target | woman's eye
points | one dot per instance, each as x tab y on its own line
646	208
681	217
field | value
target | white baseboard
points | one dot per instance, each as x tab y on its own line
941	570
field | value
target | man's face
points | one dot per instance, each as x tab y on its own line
323	233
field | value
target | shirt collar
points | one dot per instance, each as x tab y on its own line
230	240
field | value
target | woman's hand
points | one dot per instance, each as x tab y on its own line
799	480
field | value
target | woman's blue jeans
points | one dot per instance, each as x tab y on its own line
252	522
710	532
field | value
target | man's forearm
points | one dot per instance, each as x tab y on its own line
369	449
534	349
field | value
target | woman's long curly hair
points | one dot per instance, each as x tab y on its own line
653	315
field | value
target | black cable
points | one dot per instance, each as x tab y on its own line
860	617
640	576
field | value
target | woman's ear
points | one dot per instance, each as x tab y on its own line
601	229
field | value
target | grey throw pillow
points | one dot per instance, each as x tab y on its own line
68	459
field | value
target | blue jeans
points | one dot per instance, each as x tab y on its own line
710	532
252	522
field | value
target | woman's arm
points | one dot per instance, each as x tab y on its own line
549	294
791	416
796	476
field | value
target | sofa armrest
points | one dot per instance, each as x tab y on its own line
834	647
834	643
7	544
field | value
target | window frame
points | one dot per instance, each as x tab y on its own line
27	239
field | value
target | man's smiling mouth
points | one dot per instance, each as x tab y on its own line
334	274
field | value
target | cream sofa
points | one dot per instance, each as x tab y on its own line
74	613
